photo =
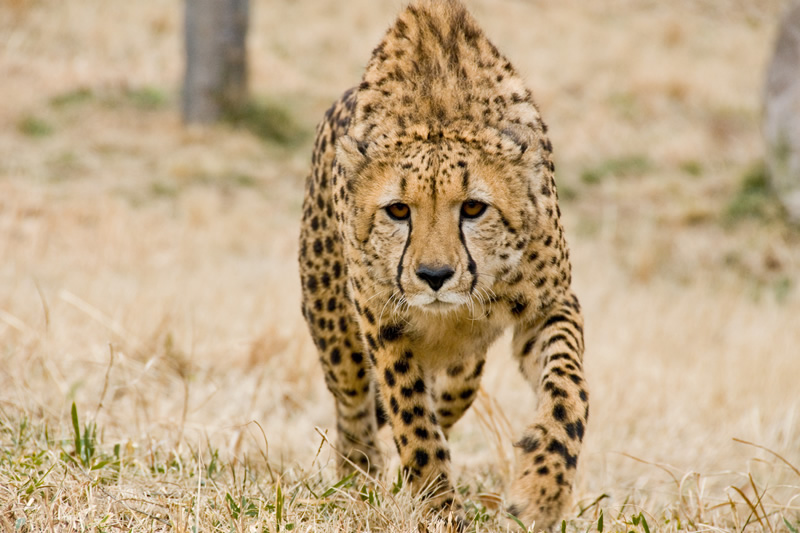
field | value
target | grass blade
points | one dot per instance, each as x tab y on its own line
339	484
279	507
790	465
235	510
76	428
595	502
753	509
517	520
644	523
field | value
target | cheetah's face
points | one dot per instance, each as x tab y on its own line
438	224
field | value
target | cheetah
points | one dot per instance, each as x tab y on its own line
430	225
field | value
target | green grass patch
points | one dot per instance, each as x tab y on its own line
34	126
783	289
271	120
170	189
692	168
63	166
754	199
146	98
244	180
625	166
567	193
221	180
143	98
161	189
224	180
73	97
626	105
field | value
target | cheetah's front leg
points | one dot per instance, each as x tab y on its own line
410	409
547	453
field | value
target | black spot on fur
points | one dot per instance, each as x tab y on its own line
401	366
391	332
518	306
421	457
371	341
571	430
455	370
526	349
528	444
558	447
311	283
555	391
514	510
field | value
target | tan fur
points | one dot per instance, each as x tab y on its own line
441	118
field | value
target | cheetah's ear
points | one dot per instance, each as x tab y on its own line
522	137
351	154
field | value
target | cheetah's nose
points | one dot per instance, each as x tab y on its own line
435	276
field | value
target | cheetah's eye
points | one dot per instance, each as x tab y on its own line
472	209
398	211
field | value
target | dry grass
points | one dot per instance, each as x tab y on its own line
147	274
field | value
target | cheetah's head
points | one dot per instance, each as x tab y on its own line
440	219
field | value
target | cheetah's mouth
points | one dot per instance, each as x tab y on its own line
437	303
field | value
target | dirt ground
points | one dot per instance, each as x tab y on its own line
148	270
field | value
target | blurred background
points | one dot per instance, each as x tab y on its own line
148	266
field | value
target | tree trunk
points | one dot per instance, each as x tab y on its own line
782	114
216	58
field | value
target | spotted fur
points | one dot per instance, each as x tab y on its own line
403	310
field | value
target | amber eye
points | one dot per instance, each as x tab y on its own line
398	211
472	209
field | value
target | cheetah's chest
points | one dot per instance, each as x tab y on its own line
444	341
